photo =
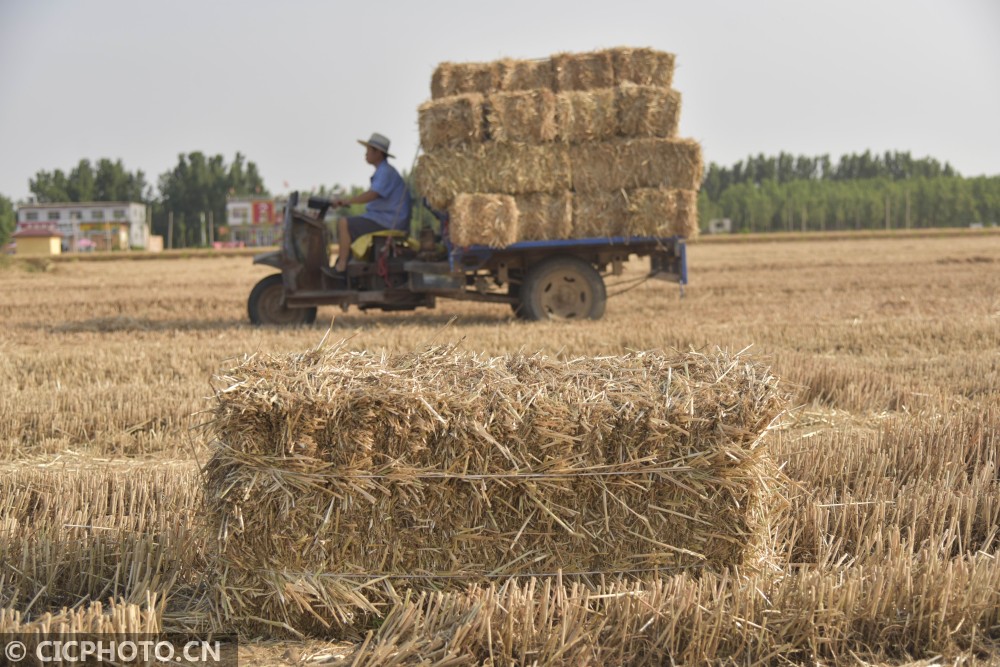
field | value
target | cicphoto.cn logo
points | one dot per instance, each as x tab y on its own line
112	650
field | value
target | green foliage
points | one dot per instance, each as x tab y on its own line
109	181
7	220
788	193
197	187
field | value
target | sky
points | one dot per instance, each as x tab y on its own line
293	85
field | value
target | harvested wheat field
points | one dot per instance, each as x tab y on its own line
502	497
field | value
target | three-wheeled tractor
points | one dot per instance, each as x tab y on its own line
560	279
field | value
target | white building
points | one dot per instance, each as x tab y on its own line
255	221
106	225
720	226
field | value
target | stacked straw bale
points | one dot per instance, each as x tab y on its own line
337	477
598	125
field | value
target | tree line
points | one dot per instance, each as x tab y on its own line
194	190
859	191
759	194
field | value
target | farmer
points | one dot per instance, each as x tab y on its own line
387	201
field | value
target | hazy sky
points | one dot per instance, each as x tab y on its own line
292	85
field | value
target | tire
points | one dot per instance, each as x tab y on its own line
266	305
563	288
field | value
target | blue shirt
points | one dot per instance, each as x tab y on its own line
392	207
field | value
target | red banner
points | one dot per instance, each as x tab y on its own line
263	212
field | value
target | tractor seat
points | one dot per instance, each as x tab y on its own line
362	245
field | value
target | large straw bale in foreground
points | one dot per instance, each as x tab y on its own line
491	168
636	163
336	475
483	219
451	121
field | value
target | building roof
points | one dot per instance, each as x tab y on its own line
36	233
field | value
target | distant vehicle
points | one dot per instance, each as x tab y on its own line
539	280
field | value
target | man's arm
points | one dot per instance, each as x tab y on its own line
362	198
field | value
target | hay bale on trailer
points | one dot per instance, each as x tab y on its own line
338	477
483	219
645	67
513	169
526	74
527	116
663	212
636	163
451	79
600	214
543	216
452	121
647	111
583	71
612	111
586	115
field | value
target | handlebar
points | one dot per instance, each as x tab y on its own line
319	202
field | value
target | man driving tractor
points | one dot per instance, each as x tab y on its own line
387	201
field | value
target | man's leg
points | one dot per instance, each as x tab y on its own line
343	244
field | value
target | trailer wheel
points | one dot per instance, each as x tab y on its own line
266	305
563	288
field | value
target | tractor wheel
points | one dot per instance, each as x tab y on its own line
563	288
266	305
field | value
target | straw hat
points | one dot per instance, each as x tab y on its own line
378	142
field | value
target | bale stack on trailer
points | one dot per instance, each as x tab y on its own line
338	478
586	144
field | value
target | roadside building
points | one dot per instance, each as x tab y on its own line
38	241
255	221
720	226
90	225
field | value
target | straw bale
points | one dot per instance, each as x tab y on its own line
338	476
451	121
526	74
524	116
451	79
482	219
647	111
663	212
600	214
543	216
583	71
586	115
510	168
627	164
646	67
